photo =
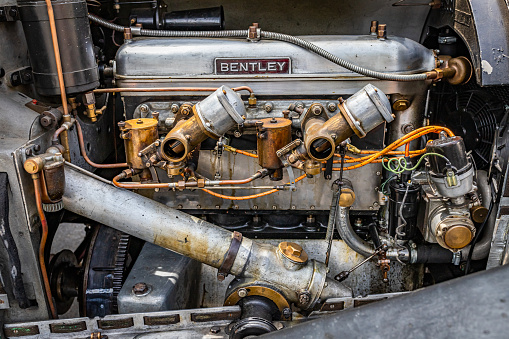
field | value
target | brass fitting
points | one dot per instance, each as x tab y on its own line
182	139
457	71
137	134
273	134
293	252
212	117
362	112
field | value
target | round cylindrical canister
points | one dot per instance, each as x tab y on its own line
137	135
74	40
273	134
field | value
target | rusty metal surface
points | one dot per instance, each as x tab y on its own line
366	280
273	134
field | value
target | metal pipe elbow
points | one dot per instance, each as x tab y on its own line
349	236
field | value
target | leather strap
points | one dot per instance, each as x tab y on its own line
230	256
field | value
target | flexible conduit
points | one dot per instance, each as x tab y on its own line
267	35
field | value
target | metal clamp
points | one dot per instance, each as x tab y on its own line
229	258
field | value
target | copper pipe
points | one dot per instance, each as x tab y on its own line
166	89
44	237
85	156
60	74
189	184
242	181
61	83
58	61
135	186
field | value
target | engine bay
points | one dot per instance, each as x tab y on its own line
205	176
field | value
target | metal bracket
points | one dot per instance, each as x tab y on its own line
21	77
327	174
9	13
229	258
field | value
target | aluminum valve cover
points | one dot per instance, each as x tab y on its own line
269	67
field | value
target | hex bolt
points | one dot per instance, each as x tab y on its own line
303	298
268	107
143	108
140	288
242	292
294	250
174	108
215	329
331	106
407	128
317	110
287	313
237	134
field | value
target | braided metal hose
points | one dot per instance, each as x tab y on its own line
267	35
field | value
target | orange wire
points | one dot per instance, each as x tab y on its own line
248	197
245	153
405	139
364	160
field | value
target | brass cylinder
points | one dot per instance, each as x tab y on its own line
182	139
53	182
273	134
137	135
321	138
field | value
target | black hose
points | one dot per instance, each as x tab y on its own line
432	254
243	33
469	258
10	246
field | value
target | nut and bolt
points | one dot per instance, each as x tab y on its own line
304	298
331	106
407	128
268	107
143	108
287	313
382	32
317	110
174	108
242	292
140	288
401	104
46	121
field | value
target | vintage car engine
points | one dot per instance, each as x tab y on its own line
163	176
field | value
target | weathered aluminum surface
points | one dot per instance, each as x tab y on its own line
16	129
311	194
189	323
364	281
193	237
191	62
172	280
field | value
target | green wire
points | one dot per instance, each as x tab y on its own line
401	164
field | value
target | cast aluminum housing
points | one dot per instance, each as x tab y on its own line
192	62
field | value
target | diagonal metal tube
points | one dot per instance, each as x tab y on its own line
193	237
